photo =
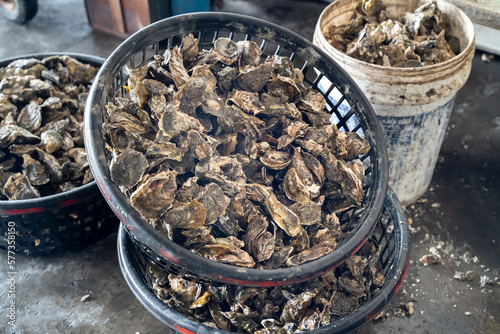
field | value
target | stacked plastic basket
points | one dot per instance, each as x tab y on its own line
378	218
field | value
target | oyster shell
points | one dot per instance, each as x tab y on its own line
227	49
258	241
51	141
282	215
155	195
18	187
34	171
254	79
128	168
186	216
215	202
30	117
277	160
224	251
249	54
173	123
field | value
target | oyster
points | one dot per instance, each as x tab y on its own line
254	79
30	117
295	308
258	241
186	216
173	123
35	172
155	195
128	168
177	69
223	250
281	214
83	73
247	101
355	146
310	254
18	187
51	141
249	54
189	48
279	257
215	202
13	134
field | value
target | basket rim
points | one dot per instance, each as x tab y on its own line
11	207
394	279
177	254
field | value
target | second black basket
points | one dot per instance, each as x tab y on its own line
352	112
60	222
391	234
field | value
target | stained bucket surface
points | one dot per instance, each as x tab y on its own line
413	105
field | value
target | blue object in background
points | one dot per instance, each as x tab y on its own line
189	6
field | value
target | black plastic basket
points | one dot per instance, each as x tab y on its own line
351	112
391	234
60	222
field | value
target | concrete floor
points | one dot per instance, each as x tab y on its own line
459	217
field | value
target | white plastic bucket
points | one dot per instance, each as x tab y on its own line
413	104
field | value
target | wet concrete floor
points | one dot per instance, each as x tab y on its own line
458	218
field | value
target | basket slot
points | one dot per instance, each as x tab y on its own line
345	120
298	62
348	222
225	34
366	163
333	100
325	86
314	77
238	36
387	257
310	74
197	35
285	53
359	130
138	58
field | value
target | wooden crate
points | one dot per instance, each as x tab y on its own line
124	17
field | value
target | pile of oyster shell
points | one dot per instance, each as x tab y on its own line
289	309
420	38
232	156
41	136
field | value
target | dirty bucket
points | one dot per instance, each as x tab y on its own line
413	105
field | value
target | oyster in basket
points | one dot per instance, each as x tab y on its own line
41	137
422	37
231	156
300	307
